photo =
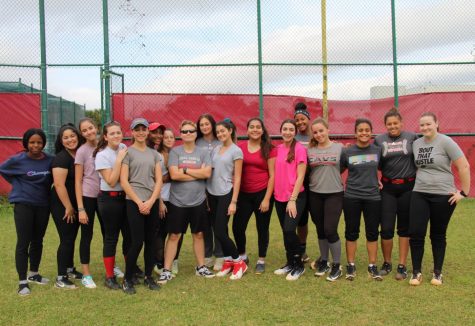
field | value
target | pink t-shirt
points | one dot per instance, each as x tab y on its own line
90	178
286	173
255	171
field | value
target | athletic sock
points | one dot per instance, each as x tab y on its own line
109	263
335	249
23	282
244	257
324	248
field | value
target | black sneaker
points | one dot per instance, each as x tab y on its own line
23	290
322	267
128	287
386	268
138	273
151	284
74	274
38	279
296	272
335	273
111	283
374	274
204	272
284	270
135	280
401	272
64	283
350	272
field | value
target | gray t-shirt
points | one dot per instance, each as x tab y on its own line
324	166
142	171
105	159
397	160
165	191
221	181
433	161
209	146
362	165
188	193
304	139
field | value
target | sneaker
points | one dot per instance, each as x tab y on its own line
239	269
284	270
203	271
386	268
246	259
335	273
165	276
88	282
296	272
135	280
128	287
350	272
226	269
138	273
38	279
23	290
73	274
175	267
416	279
151	284
64	283
158	269
118	273
111	283
218	264
401	272
373	273
322	268
260	268
209	262
436	279
305	258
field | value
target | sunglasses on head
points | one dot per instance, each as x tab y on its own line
188	131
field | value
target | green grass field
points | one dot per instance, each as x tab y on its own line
254	300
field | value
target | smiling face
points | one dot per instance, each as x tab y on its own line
35	145
223	133
168	139
114	136
156	136
254	130
363	133
393	126
140	133
320	133
188	133
70	140
205	126
302	123
288	132
88	131
428	126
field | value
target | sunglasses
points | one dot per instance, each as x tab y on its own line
188	131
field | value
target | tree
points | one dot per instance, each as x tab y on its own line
95	115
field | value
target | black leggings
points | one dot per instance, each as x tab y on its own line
289	226
67	237
219	210
143	231
113	213
160	241
325	210
249	203
30	223
395	201
353	207
436	209
92	209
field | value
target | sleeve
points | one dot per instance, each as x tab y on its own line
101	162
343	159
237	154
80	157
377	141
8	169
173	158
300	154
206	158
452	149
61	161
126	159
273	152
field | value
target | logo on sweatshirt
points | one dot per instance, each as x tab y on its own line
35	173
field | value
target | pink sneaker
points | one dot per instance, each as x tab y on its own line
228	266
239	269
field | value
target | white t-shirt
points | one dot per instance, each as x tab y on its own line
105	159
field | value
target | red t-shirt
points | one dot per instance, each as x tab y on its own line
255	171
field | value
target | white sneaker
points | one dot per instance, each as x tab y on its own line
175	267
117	272
218	264
284	270
88	282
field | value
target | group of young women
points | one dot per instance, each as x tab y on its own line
152	190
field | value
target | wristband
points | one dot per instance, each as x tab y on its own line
463	193
81	209
184	170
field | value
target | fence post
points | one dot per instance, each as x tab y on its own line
259	54
393	26
44	87
106	75
324	61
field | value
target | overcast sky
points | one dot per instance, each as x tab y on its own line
225	31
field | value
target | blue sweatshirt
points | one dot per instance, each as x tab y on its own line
31	179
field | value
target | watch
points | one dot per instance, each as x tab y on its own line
463	193
184	170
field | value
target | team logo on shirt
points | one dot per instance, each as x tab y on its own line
35	173
362	159
424	156
322	159
395	147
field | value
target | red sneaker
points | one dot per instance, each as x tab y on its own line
239	269
228	266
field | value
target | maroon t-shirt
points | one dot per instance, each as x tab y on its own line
255	171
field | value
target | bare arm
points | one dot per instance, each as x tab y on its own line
291	205
264	207
236	186
79	170
463	169
202	173
111	176
178	175
124	182
59	181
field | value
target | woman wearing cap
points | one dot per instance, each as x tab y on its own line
223	190
434	196
398	176
189	167
155	135
108	156
362	196
64	205
206	139
29	173
257	187
290	198
303	135
141	179
325	197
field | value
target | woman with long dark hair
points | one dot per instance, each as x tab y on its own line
29	173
